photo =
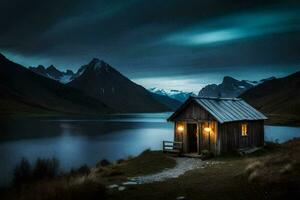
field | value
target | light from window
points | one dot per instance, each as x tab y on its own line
244	129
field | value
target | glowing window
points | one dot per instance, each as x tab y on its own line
244	129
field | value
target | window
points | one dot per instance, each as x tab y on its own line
244	129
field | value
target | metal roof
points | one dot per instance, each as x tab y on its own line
227	109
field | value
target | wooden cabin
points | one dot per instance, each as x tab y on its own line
218	125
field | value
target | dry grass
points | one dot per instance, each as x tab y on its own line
147	162
88	184
63	189
271	174
280	167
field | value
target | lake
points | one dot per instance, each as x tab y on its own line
76	142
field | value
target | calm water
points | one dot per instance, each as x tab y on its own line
78	142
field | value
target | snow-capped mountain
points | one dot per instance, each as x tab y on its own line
230	87
53	73
174	94
101	81
23	92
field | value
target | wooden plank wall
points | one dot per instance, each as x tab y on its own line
204	136
231	139
194	112
181	136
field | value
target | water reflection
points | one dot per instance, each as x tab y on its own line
78	142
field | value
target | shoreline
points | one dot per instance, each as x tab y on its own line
120	180
271	121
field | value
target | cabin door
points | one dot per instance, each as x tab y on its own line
192	137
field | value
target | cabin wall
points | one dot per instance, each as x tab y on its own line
194	112
208	137
231	139
181	136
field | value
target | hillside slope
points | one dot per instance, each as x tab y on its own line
171	103
101	81
25	92
279	99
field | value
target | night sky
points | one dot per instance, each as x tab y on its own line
170	44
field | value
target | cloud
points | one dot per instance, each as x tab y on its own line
238	26
150	39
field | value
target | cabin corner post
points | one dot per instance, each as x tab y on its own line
199	132
262	133
218	143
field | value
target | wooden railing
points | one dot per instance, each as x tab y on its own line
172	147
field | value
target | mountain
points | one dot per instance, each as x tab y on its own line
53	73
171	103
25	92
174	94
101	81
279	99
229	87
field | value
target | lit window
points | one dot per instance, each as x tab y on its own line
244	129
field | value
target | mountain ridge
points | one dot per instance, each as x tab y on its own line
53	73
173	93
25	92
279	99
230	87
102	81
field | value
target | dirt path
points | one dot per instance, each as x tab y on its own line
183	165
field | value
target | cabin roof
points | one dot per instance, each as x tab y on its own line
223	109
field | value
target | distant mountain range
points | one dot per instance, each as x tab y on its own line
229	87
98	88
176	97
53	73
23	92
279	99
101	81
174	94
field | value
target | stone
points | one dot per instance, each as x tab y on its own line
113	186
129	183
121	188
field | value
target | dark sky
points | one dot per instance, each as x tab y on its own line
179	44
